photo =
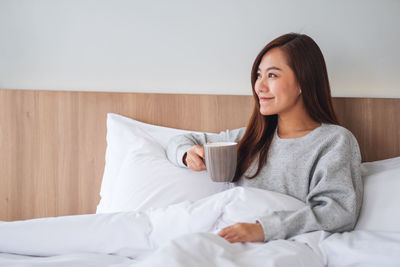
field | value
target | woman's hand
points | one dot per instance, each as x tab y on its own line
195	158
243	232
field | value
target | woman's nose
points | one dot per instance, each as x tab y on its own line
262	86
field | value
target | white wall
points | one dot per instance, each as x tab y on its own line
199	47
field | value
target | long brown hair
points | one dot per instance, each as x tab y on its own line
305	58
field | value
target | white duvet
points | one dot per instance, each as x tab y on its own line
184	235
186	230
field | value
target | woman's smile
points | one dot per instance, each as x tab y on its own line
265	99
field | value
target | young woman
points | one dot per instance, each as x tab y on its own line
292	145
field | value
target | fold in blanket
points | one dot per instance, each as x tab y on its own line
134	234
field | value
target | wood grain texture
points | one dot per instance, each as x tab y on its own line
375	122
53	142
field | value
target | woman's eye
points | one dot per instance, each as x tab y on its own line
270	75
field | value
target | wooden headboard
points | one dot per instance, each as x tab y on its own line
53	142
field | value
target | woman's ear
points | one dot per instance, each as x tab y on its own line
298	88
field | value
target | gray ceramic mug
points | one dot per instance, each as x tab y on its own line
220	160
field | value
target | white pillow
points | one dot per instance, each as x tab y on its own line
138	175
160	133
369	168
381	201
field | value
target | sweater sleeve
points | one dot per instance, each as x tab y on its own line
180	144
335	195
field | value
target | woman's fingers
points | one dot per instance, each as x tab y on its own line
195	163
194	158
243	232
227	233
199	150
223	232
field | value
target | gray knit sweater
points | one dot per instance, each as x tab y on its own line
322	169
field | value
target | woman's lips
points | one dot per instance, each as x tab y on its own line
266	99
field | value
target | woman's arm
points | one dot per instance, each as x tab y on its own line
334	199
180	144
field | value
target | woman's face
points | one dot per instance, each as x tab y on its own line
276	85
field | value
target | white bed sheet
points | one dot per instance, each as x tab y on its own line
362	249
66	260
181	230
191	250
207	249
180	235
356	248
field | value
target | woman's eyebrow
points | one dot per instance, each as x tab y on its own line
270	68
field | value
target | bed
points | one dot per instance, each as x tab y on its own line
73	153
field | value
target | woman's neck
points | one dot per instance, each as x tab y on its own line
296	123
296	129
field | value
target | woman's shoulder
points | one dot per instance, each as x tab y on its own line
338	135
336	130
